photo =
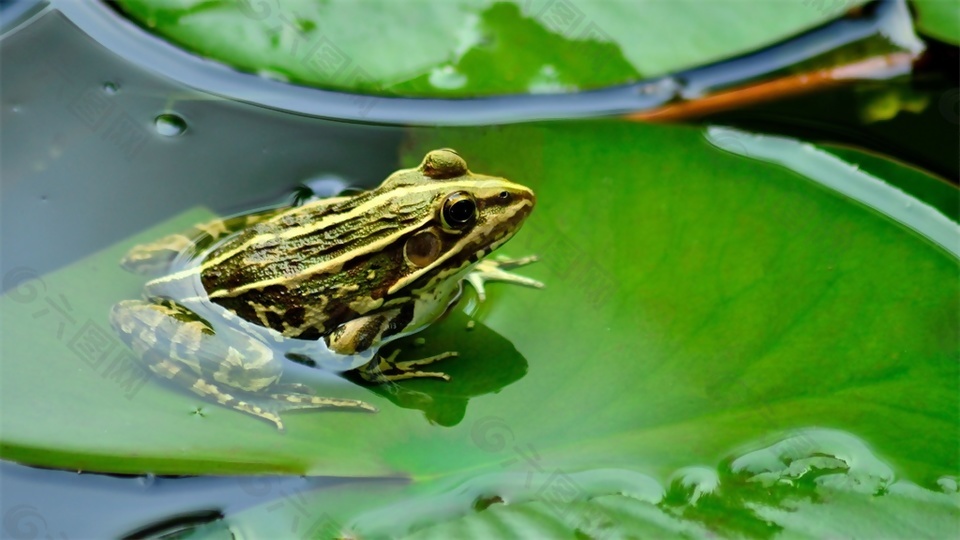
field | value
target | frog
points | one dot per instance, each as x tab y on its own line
328	282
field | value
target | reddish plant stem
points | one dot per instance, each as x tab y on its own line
876	67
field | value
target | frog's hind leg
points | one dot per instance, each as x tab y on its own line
232	370
206	389
155	257
168	339
267	407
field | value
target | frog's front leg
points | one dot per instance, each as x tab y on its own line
361	333
385	368
234	370
496	270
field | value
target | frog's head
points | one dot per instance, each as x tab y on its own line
464	217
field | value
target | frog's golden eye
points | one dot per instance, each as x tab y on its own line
459	211
422	248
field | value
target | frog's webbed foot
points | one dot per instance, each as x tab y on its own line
269	406
385	368
496	270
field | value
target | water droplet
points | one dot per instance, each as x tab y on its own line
482	503
16	108
446	78
666	87
170	125
948	484
110	88
326	185
43	198
274	75
147	480
842	460
692	483
305	25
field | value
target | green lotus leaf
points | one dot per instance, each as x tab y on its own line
473	47
703	289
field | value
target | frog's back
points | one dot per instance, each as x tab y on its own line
291	273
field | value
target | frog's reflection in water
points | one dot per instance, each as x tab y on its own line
487	362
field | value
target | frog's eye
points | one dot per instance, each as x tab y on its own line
459	211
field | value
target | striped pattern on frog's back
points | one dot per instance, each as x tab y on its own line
312	268
304	274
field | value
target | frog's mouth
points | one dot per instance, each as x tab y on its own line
501	215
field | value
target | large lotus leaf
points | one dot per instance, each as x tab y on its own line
695	299
474	47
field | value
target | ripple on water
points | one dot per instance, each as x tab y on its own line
811	482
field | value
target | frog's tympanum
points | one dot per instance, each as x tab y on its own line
332	281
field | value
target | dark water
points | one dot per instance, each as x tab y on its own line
914	119
73	109
41	503
61	121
